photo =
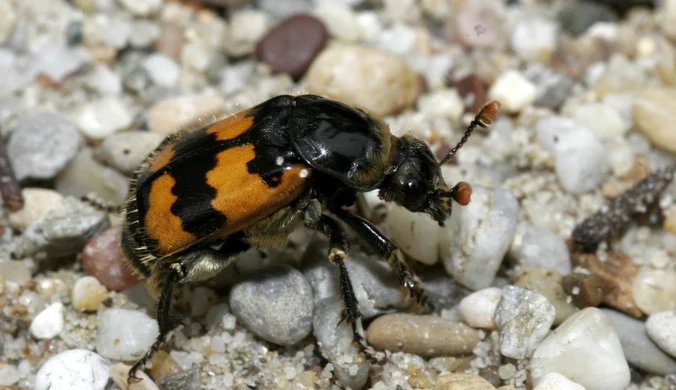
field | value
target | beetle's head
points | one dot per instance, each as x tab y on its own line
414	180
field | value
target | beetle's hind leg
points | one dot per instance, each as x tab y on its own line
410	284
338	249
194	266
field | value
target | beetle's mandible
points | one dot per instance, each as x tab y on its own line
249	180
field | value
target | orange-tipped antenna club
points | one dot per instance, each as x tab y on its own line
484	118
462	193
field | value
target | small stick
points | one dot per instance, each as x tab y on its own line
9	186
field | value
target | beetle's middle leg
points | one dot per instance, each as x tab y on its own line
338	250
193	266
388	250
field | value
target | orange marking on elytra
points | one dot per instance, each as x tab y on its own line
231	127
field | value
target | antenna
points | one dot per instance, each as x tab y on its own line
484	118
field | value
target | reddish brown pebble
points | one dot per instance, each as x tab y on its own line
102	259
292	45
472	89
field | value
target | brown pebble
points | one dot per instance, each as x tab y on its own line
163	364
291	46
617	272
102	258
471	89
586	290
424	335
170	40
462	381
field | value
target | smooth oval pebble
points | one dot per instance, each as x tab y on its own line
275	303
15	271
462	381
38	202
125	151
173	114
49	322
77	369
414	234
88	293
660	328
653	111
556	381
423	335
346	73
478	309
291	46
125	334
102	258
654	290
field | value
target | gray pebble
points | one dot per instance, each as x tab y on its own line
85	175
184	380
275	303
540	248
280	9
553	87
125	151
136	79
639	350
336	341
576	17
374	284
524	318
62	232
42	145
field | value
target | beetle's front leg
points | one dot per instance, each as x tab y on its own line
389	250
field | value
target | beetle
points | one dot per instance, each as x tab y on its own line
205	195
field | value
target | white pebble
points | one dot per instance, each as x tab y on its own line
580	158
9	375
654	290
141	7
38	202
534	39
104	80
8	17
444	103
478	308
586	349
478	235
621	156
172	114
540	248
162	70
556	381
340	20
247	27
49	322
603	120
88	293
104	117
77	369
513	91
125	334
414	233
660	328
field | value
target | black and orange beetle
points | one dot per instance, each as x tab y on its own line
249	180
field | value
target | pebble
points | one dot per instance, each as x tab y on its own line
621	156
654	290
173	114
42	145
586	290
336	341
48	323
552	87
102	118
104	81
126	151
475	24
514	91
472	91
86	371
524	318
639	350
585	349
162	70
9	375
57	62
85	175
424	335
478	236
375	285
540	248
8	17
556	381
534	39
548	283
442	103
621	75
120	372
15	271
659	328
340	20
102	258
603	120
246	28
142	8
257	299
38	202
280	9
143	33
478	308
577	18
62	233
291	46
88	293
580	158
652	112
107	30
411	232
345	72
462	381
125	334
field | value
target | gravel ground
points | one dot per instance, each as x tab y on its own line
560	273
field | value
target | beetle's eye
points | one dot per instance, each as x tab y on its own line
414	193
